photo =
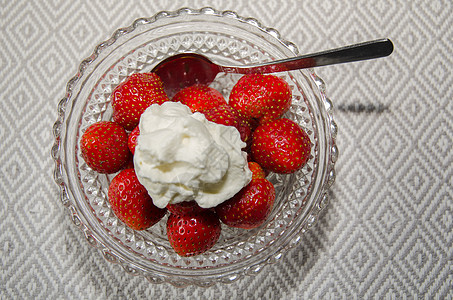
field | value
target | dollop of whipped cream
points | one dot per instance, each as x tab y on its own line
181	156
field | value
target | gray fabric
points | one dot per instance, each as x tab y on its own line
387	232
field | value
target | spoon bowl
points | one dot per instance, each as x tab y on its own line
186	69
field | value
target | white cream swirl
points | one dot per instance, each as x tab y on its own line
181	156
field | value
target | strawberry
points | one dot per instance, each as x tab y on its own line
259	96
133	96
193	234
226	115
132	139
199	97
129	164
131	203
104	147
184	208
250	207
280	146
257	171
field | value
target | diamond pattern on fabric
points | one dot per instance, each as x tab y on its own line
387	232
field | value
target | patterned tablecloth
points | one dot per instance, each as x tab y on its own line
387	232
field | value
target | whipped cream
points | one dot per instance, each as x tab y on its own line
181	156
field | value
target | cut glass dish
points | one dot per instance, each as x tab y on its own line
225	38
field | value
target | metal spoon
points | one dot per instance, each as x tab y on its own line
183	70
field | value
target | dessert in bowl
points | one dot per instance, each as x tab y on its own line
227	38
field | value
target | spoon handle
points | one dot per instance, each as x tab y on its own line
351	53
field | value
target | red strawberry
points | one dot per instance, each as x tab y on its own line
193	234
131	203
257	171
184	208
280	146
226	115
129	164
259	96
104	147
250	207
199	97
132	139
133	96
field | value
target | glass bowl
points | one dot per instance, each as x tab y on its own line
226	38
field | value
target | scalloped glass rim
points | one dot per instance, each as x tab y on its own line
179	276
